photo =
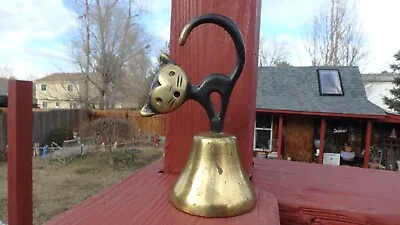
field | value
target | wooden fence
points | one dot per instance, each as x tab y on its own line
46	120
3	131
151	125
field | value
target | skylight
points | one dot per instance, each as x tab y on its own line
330	82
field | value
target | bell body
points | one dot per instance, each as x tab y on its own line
213	182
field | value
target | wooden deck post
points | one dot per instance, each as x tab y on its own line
280	130
19	126
368	134
321	141
209	49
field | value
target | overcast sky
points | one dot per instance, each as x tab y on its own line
34	33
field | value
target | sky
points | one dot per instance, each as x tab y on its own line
34	34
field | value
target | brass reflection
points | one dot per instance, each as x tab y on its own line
172	90
213	182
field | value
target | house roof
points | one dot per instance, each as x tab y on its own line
297	89
378	77
62	77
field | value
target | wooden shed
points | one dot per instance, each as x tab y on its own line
321	115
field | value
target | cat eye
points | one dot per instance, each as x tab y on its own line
159	100
177	94
171	73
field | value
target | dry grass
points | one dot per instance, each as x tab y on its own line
59	187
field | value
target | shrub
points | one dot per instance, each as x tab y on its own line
3	156
109	129
58	135
3	100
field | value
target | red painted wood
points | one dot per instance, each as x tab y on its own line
280	129
209	49
322	114
19	128
305	192
330	194
322	141
393	116
368	134
142	198
390	118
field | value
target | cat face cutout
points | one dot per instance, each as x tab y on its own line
169	89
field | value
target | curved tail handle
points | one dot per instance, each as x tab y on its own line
229	26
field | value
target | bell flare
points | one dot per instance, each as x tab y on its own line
213	182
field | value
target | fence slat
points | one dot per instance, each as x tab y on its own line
152	125
45	121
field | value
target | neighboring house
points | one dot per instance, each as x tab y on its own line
65	90
303	113
377	86
59	90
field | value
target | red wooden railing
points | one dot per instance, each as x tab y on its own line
19	128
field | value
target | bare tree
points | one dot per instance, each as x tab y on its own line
87	66
165	48
141	77
335	37
114	43
273	53
6	72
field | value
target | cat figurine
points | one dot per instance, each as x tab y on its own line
171	86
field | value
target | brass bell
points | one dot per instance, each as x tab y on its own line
213	182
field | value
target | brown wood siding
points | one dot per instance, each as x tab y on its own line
299	132
275	124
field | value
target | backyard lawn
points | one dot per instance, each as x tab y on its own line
58	187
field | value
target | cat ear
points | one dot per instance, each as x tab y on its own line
164	59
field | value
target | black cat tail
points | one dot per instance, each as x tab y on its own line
229	26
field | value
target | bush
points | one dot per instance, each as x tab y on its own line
3	156
58	135
3	100
109	129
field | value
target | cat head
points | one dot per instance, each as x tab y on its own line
168	90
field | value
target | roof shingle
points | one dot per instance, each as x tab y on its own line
62	77
296	89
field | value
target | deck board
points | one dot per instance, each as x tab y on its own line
304	193
142	198
330	194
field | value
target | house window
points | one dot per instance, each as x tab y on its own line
43	87
70	87
263	131
57	104
330	82
44	104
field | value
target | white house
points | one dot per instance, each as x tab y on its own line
377	86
